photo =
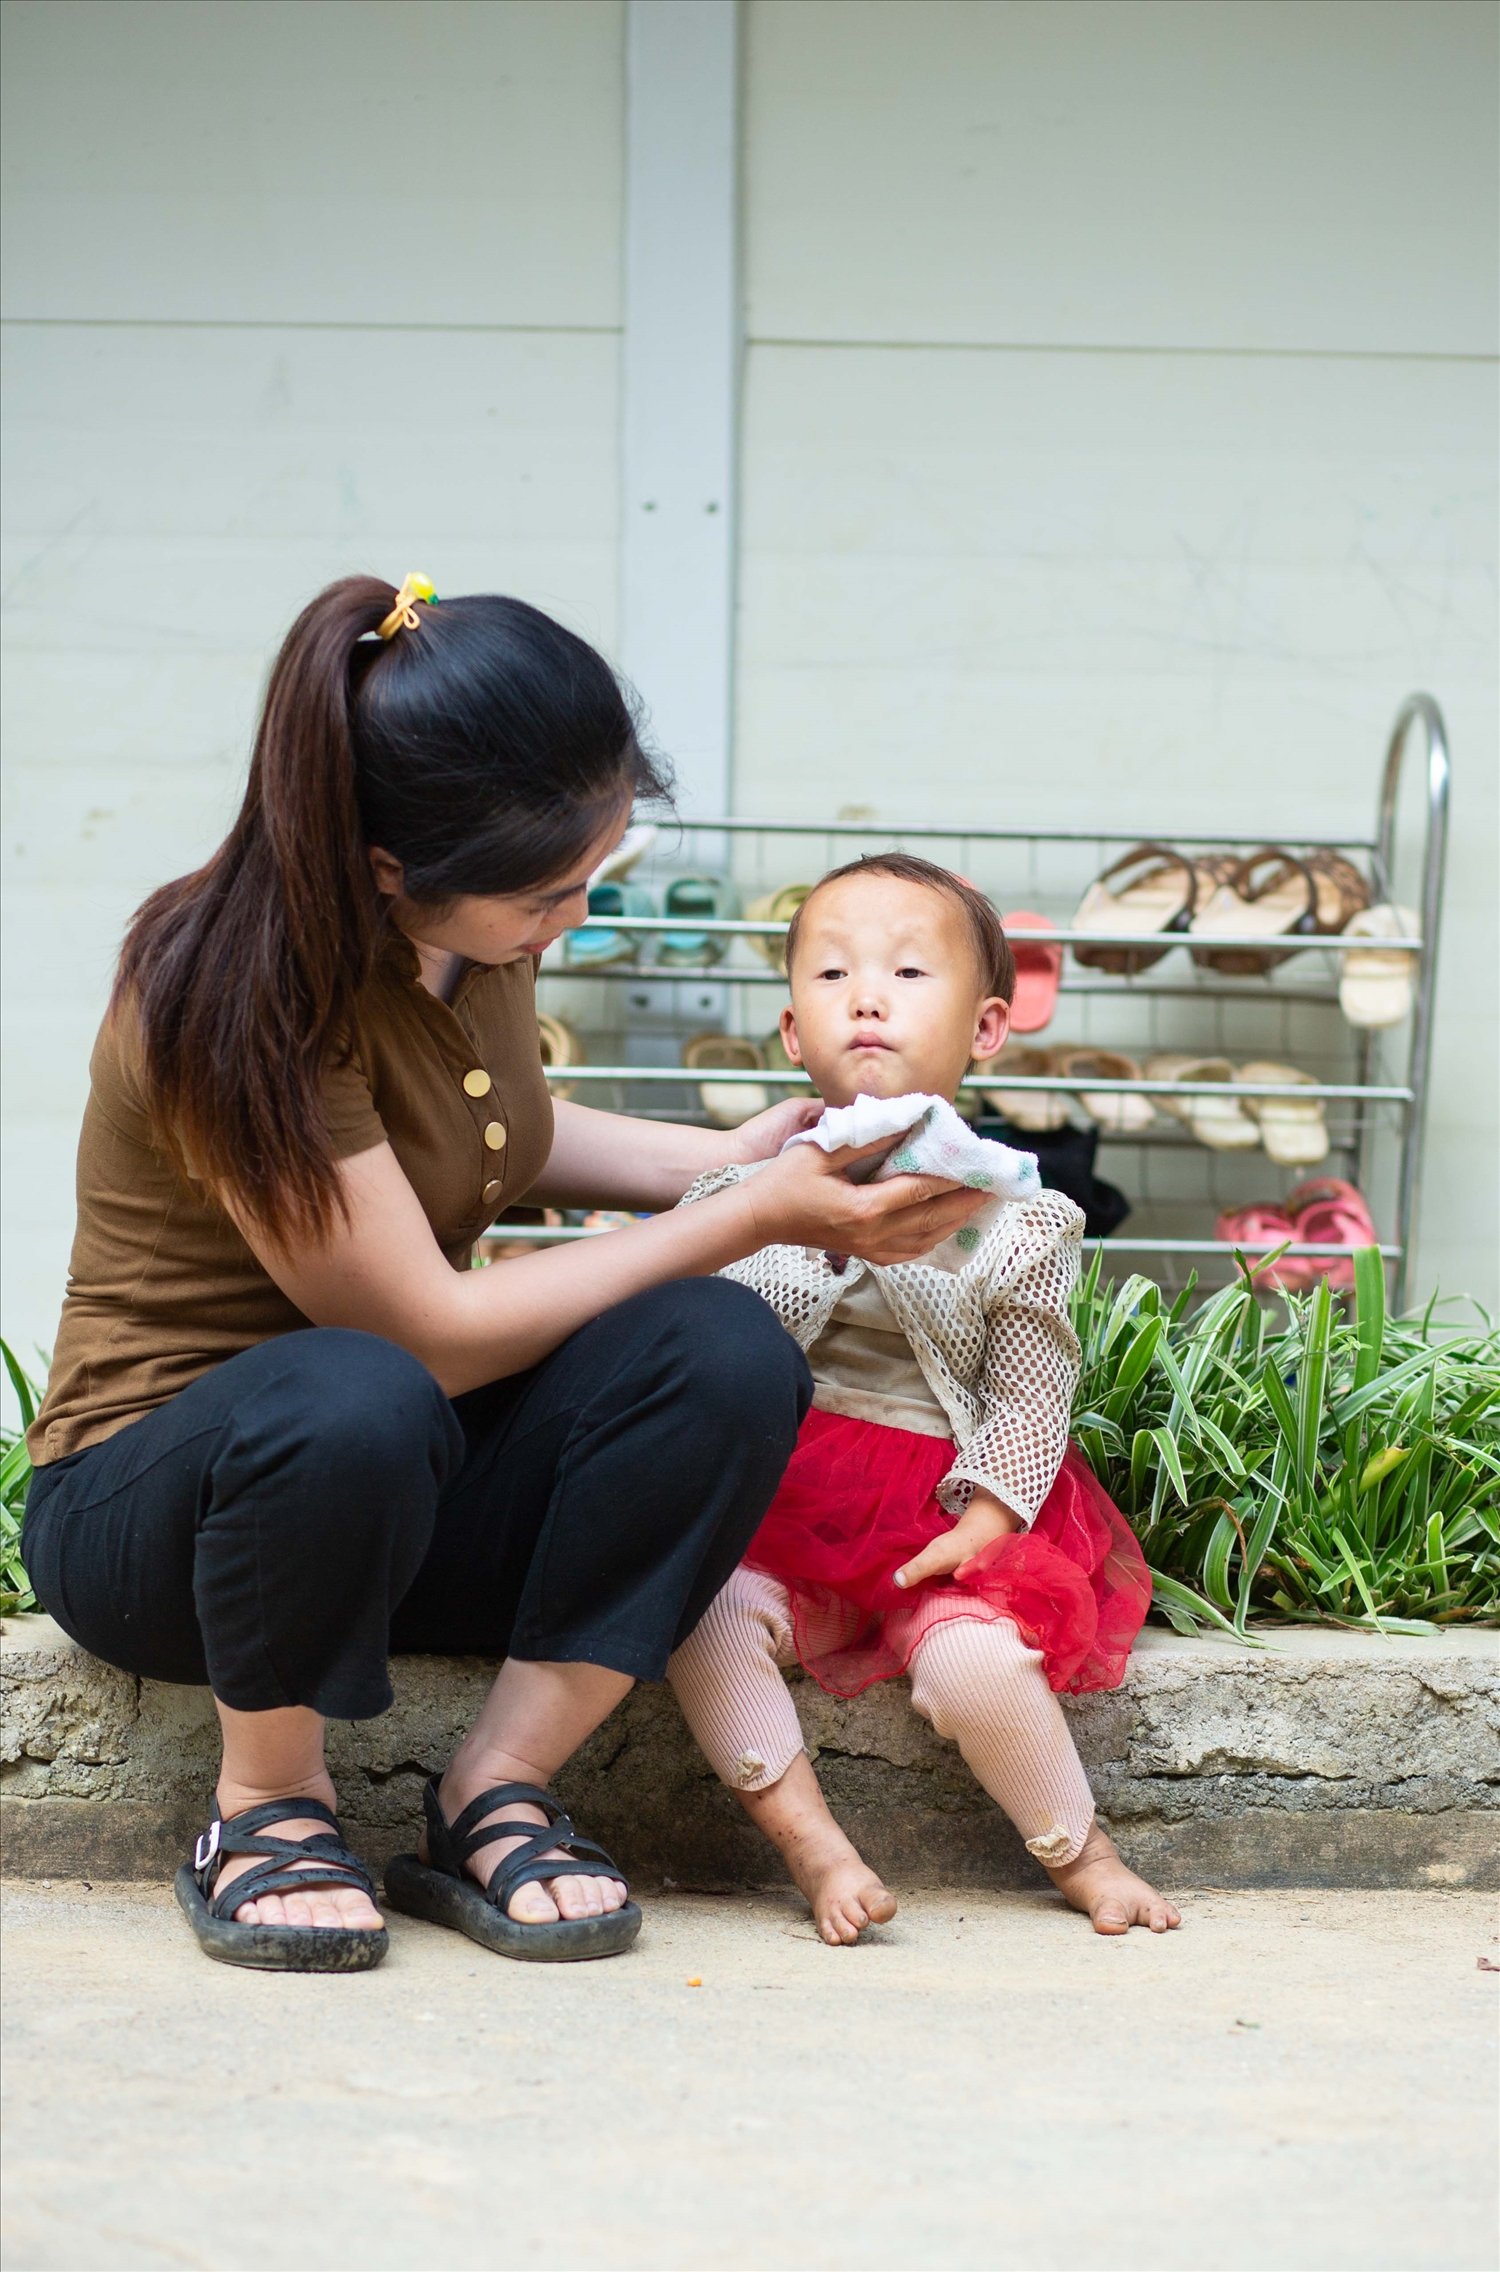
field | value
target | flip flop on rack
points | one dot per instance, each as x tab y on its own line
1294	1130
1038	970
1122	1115
1273	894
1377	984
727	1103
1220	1122
1155	896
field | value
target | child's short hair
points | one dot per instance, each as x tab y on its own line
997	965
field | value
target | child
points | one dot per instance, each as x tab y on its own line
934	1518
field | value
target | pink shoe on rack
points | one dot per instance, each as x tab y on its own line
1329	1212
1258	1228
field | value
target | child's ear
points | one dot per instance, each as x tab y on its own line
789	1040
991	1028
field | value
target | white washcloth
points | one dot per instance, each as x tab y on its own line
928	1138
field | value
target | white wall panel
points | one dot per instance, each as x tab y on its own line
1307	174
316	161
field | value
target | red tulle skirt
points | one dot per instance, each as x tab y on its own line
858	1500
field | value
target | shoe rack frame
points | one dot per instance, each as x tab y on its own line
1173	976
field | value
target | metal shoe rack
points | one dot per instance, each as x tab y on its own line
632	1019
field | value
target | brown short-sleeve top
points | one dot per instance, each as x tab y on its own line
161	1286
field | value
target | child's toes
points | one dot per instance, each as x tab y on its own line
1110	1917
880	1902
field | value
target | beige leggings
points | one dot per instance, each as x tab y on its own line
974	1679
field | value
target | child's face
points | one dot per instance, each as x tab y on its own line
886	992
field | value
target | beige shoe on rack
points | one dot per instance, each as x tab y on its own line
560	1046
1378	984
727	1103
1294	1130
1034	1109
1220	1122
1122	1115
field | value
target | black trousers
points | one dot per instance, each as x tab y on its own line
310	1505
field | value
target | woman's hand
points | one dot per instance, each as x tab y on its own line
983	1520
805	1198
762	1137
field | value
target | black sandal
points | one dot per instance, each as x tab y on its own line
320	1860
442	1891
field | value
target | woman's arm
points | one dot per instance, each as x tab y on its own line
384	1272
604	1159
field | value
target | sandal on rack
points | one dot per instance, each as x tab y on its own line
1031	1109
727	1103
711	899
1122	1115
1272	894
286	1865
1342	890
775	907
441	1891
1038	970
594	946
1260	1229
1156	897
1327	1211
1294	1130
1377	984
560	1046
1220	1122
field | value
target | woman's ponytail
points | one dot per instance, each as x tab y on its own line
484	749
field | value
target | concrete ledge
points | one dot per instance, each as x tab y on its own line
1327	1759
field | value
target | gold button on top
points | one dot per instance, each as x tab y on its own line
494	1136
477	1083
491	1191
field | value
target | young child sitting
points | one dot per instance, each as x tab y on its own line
934	1518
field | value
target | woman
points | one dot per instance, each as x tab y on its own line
287	1427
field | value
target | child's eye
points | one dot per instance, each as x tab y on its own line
910	970
833	971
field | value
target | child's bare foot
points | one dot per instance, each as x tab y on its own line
842	1891
1112	1897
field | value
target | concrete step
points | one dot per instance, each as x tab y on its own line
1325	1758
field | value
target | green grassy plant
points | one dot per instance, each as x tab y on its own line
15	1473
1339	1466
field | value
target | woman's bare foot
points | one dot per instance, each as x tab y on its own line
1112	1897
323	1907
543	1901
842	1891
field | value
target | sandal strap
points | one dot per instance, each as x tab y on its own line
286	1865
451	1845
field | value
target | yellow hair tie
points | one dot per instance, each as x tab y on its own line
404	615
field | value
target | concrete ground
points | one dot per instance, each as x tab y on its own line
1298	2080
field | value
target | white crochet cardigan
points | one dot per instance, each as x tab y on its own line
992	1338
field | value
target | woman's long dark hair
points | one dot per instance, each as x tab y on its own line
485	750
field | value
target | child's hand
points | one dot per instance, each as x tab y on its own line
981	1523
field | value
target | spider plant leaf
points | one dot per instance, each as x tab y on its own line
1171	1461
25	1388
1369	1313
1171	1594
1216	1563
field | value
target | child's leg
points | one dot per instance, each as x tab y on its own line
978	1683
737	1705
